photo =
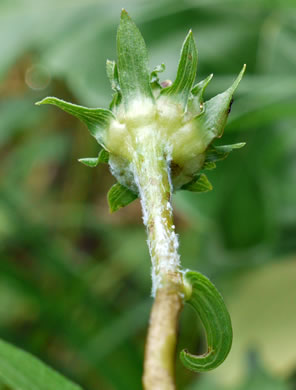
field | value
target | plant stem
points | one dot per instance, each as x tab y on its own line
151	171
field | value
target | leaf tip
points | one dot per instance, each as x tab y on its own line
124	13
242	72
81	160
43	101
238	79
48	100
189	37
89	162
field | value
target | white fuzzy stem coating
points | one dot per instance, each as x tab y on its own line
151	171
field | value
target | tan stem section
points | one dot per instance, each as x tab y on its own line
151	170
159	363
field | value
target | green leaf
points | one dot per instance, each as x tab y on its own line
186	73
103	157
132	56
96	119
229	148
209	165
22	371
120	196
199	184
92	162
209	305
217	153
216	110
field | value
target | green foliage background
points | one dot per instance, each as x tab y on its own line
75	280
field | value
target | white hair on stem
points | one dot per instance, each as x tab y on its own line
152	175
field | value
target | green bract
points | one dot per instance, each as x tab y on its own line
175	115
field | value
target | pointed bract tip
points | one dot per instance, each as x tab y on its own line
208	79
238	79
243	69
190	40
239	145
43	101
124	13
189	35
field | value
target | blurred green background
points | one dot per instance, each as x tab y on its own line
74	279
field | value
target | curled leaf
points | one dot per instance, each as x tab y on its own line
206	300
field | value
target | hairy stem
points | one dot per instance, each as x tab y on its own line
151	170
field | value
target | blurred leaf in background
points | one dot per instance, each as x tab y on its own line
59	244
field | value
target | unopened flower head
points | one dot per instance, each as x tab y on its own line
173	114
